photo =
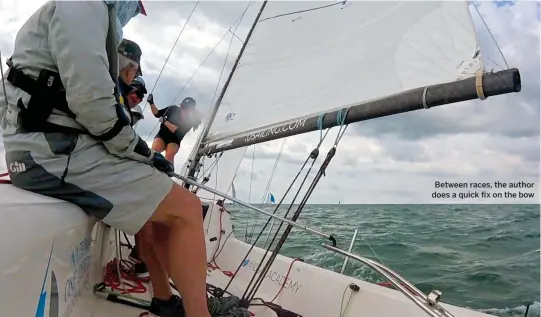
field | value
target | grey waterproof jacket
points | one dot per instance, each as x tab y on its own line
69	37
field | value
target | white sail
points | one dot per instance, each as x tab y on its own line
305	63
221	173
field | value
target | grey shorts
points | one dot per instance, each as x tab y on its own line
120	192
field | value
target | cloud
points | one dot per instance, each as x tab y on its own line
516	29
394	159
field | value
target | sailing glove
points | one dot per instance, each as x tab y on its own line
150	99
162	164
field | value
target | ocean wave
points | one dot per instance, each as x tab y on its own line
502	238
486	277
532	235
518	311
475	257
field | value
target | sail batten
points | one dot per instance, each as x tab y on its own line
313	61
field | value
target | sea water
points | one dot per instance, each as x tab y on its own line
461	250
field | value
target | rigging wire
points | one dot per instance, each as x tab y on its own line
251	176
213	49
215	186
267	190
215	163
341	118
373	251
267	223
238	38
275	210
492	36
228	50
213	112
313	155
238	21
248	237
217	158
211	167
302	11
250	194
168	56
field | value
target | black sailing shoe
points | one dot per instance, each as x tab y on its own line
140	268
167	308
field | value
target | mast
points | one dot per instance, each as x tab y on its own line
481	86
193	165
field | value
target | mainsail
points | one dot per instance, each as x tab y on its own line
302	64
304	59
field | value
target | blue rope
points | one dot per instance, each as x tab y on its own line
320	127
341	116
340	120
320	121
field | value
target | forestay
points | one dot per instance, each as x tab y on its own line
221	170
330	55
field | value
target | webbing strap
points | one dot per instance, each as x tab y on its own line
120	123
18	79
479	85
114	131
29	85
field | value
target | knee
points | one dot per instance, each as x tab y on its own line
179	208
158	145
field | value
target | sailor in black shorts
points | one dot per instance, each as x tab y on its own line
176	122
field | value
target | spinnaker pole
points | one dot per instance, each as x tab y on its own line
479	87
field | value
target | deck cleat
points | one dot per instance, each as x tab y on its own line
434	297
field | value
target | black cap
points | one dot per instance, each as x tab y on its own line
131	50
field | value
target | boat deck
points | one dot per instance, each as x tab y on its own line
104	307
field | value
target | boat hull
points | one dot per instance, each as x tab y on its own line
53	253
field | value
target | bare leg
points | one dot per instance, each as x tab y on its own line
181	212
170	151
161	243
158	145
158	274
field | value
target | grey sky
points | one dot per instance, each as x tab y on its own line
387	160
